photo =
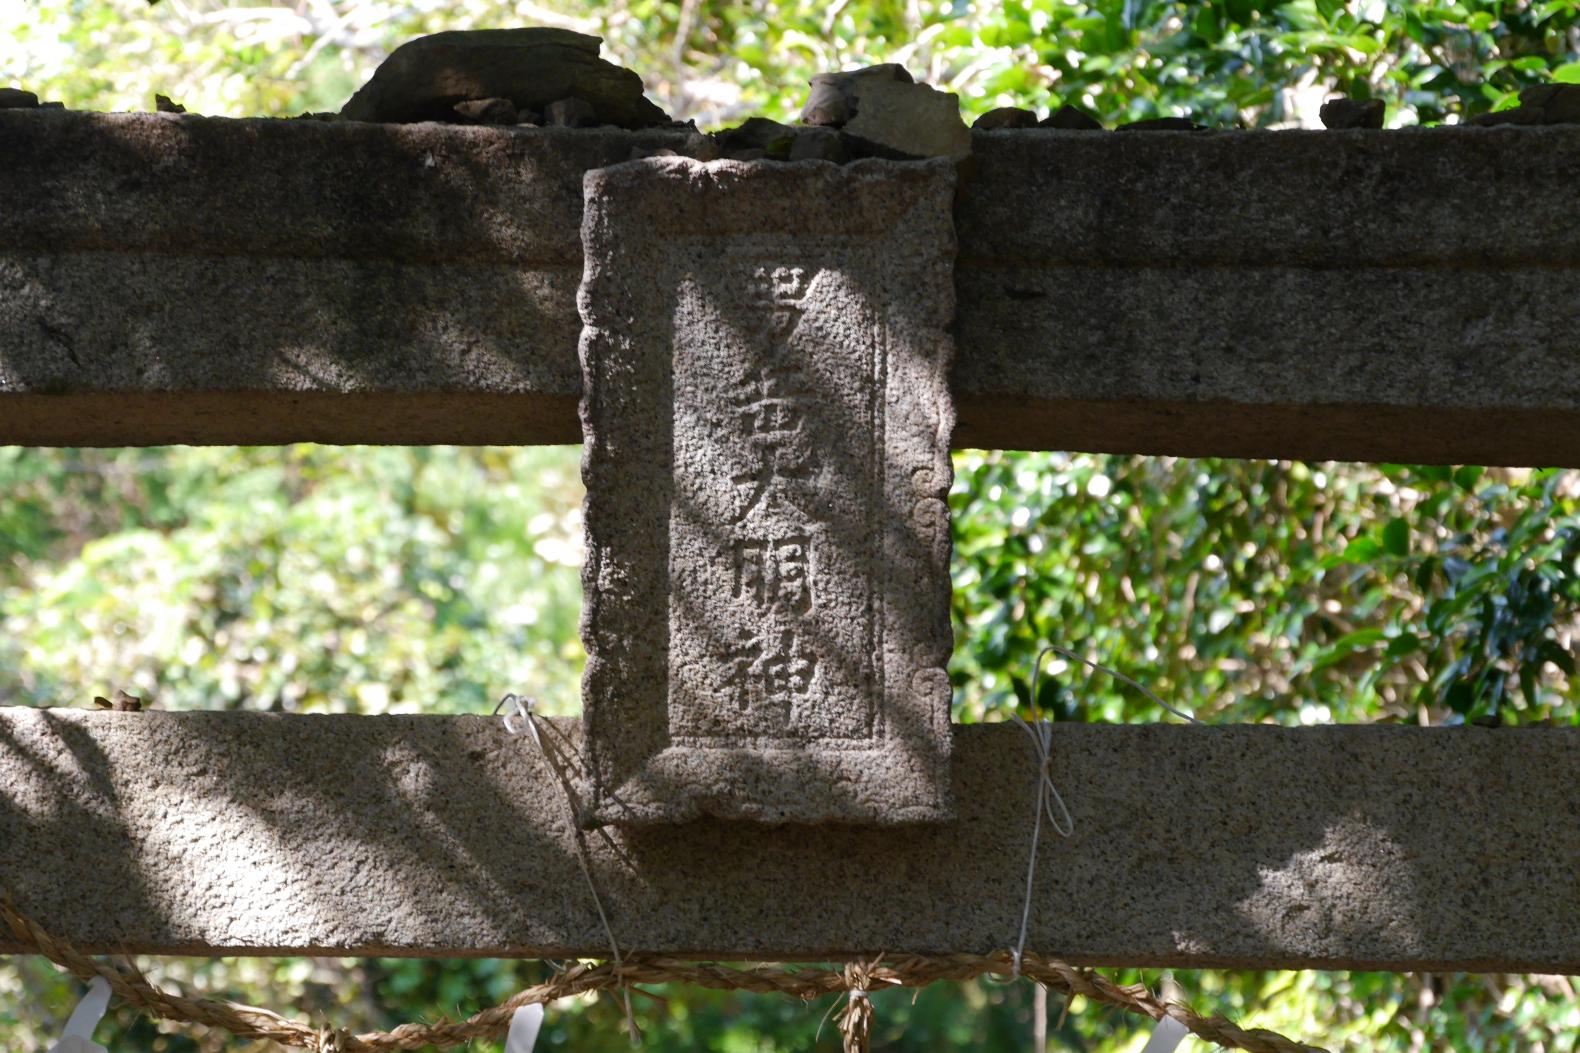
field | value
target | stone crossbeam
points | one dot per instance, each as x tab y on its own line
1250	846
1383	295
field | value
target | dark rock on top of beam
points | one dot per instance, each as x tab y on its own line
767	137
1069	118
1005	117
1559	103
1539	104
1352	113
17	99
424	79
1163	124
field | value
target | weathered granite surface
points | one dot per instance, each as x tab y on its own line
1250	846
1388	295
882	106
767	424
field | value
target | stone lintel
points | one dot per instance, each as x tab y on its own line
767	417
1248	846
1385	295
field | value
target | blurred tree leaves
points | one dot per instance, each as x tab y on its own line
305	579
1227	62
1253	591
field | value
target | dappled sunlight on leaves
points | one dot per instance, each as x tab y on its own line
311	579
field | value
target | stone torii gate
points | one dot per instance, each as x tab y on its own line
1401	296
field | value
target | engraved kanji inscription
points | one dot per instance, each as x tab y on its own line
776	473
773	573
767	421
773	417
771	669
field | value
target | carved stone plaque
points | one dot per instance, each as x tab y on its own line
767	419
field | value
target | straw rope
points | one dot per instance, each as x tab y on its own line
855	981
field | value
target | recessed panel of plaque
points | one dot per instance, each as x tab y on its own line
765	356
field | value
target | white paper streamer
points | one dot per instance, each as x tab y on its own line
1165	1036
78	1037
524	1024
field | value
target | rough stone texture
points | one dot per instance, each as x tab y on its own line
1401	295
1363	295
889	114
269	281
831	100
1251	846
767	424
488	111
423	79
912	119
570	113
818	144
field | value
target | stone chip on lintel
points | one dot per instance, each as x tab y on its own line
765	356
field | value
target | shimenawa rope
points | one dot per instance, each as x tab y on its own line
913	971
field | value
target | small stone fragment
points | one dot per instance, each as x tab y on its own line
819	144
758	137
1352	113
1163	124
1559	103
885	114
701	147
571	113
52	106
831	102
1070	119
423	79
162	104
911	119
487	111
1518	115
1005	117
121	703
317	116
17	99
826	103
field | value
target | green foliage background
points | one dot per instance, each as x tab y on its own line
386	579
